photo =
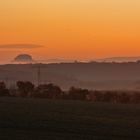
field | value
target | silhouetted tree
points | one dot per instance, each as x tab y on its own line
50	91
25	88
78	93
3	90
98	95
135	98
124	97
110	96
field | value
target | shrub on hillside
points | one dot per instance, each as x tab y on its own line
49	91
3	90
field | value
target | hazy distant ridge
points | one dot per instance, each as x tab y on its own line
119	59
87	75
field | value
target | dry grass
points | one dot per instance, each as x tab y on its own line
35	119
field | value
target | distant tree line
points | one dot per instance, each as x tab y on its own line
27	89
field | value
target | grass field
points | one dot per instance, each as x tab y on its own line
36	119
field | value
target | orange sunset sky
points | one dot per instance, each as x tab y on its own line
69	29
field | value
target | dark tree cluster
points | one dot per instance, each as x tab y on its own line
77	93
115	96
25	89
3	90
51	91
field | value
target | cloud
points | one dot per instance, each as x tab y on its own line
20	46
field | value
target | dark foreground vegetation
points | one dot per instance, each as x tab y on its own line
27	89
37	119
46	112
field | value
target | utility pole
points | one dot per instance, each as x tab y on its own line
38	74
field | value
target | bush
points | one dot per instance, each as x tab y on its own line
50	91
3	90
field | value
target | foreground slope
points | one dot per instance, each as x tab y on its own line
35	119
